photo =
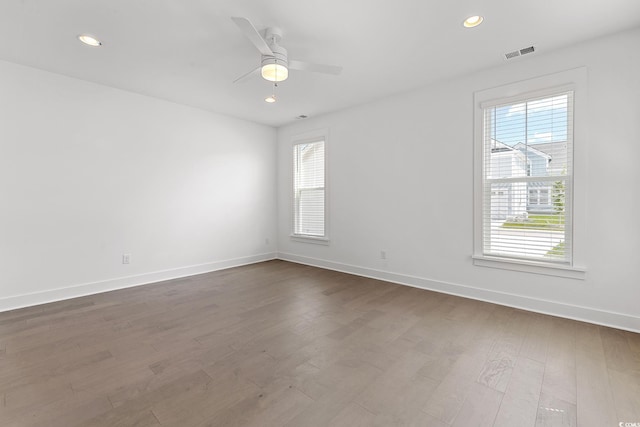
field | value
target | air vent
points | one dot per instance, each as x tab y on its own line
513	54
526	50
519	52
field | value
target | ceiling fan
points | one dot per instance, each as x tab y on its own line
275	64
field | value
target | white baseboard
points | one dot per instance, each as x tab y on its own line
74	291
569	311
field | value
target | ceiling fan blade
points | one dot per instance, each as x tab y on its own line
243	78
253	35
316	68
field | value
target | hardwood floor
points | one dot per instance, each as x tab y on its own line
281	344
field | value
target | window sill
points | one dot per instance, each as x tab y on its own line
309	239
548	269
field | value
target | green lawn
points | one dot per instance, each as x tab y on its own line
538	222
557	250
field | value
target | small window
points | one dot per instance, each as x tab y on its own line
539	197
544	197
309	189
533	197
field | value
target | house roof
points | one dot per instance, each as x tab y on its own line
554	149
497	146
531	148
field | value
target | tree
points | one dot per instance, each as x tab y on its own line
558	199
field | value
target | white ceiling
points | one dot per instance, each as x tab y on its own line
189	51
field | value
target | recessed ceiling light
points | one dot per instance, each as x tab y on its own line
89	40
270	99
473	21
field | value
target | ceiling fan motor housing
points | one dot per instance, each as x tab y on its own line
279	56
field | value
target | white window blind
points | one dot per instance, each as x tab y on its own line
309	189
527	178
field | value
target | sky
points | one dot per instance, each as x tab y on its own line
534	122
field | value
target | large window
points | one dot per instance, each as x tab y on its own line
527	178
309	189
529	164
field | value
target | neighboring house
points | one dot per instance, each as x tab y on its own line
538	193
507	199
518	199
557	151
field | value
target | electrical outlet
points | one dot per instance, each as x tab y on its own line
383	254
126	258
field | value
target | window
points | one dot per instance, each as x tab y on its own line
543	197
309	189
524	176
539	198
527	149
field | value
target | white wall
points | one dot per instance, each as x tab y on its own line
88	173
400	180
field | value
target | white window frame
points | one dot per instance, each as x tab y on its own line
576	81
306	138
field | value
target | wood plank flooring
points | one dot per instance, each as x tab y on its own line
281	344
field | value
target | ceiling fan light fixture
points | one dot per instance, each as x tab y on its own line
270	99
274	72
473	21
